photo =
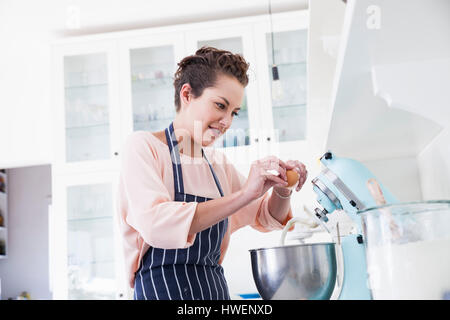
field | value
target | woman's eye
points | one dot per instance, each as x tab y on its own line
223	107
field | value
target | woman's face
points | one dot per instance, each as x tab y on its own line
210	115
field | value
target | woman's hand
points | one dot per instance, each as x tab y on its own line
301	170
260	179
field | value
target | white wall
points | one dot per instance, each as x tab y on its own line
434	165
326	21
399	175
26	268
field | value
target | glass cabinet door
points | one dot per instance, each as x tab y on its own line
289	95
87	124
238	134
152	70
90	242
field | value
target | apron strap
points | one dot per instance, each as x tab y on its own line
214	175
176	162
175	156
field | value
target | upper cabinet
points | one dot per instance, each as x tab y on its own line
87	120
87	108
282	40
237	39
147	67
108	86
289	97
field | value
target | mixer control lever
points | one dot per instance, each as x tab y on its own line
321	214
359	238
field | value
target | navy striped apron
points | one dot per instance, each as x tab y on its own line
192	273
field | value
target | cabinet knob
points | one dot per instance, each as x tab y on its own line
256	139
268	138
116	153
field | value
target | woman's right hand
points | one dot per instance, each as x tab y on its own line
260	180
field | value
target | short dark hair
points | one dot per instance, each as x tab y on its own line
201	70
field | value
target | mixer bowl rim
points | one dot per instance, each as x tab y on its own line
294	245
396	205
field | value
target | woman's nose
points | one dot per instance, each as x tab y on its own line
226	121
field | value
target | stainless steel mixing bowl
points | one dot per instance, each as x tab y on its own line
304	271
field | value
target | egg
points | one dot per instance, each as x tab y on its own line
292	177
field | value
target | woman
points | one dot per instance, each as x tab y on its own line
179	202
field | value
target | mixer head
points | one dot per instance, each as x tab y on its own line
342	186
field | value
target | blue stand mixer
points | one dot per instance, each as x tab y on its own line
370	226
342	186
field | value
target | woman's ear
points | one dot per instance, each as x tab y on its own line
185	95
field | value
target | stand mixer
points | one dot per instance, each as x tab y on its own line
340	186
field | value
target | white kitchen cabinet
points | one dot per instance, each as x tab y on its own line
284	112
109	85
238	39
85	250
264	122
147	65
87	114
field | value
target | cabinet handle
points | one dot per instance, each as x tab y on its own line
256	139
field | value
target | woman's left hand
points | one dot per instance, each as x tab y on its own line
301	170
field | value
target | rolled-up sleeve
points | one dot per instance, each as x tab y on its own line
160	221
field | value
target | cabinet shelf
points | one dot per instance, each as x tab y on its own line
89	126
149	80
289	106
87	86
89	219
152	125
153	120
290	64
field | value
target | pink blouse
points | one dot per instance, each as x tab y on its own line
148	214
